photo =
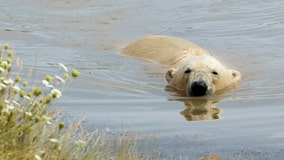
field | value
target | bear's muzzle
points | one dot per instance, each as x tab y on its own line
199	84
198	88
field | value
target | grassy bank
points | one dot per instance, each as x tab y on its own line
30	129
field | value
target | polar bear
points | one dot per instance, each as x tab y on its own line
192	70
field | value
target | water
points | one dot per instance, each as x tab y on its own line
127	94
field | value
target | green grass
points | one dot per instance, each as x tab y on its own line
30	129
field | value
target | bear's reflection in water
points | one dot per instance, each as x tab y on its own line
201	109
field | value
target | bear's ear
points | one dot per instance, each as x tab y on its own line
235	75
170	74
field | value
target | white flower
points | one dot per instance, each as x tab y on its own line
60	79
5	110
27	97
16	88
8	81
54	140
46	118
29	113
16	103
37	157
6	101
2	69
63	67
4	63
46	83
48	122
56	92
2	86
10	107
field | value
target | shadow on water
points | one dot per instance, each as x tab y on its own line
201	109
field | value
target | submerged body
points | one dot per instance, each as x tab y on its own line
192	69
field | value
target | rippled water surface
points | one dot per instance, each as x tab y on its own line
131	95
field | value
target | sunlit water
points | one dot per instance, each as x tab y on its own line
130	95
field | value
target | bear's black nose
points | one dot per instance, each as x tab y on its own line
198	88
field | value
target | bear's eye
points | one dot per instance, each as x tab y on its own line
215	73
188	70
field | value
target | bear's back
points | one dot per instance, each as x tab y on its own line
165	50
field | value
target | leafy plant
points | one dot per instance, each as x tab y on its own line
30	129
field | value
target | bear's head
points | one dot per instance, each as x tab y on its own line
201	75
